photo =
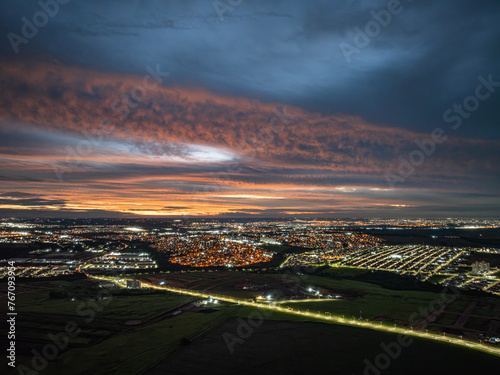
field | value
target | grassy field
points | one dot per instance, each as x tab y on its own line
141	307
367	299
447	319
121	306
39	315
459	305
477	323
486	310
369	306
344	271
132	353
373	301
106	344
438	279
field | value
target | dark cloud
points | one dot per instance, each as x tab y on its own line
18	178
61	213
32	202
419	65
17	194
173	208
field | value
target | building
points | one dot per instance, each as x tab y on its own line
133	284
480	268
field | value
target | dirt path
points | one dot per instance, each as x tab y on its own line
465	315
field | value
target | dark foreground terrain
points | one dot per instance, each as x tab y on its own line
284	347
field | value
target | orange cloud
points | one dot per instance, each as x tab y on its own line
75	100
200	151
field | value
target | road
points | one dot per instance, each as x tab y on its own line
319	316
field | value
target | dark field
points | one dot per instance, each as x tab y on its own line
282	347
134	330
440	237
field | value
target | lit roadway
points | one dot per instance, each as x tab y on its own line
444	265
319	316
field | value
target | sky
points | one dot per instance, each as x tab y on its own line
232	108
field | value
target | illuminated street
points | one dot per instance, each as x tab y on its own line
329	318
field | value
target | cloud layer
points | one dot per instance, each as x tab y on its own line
408	74
93	144
172	108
